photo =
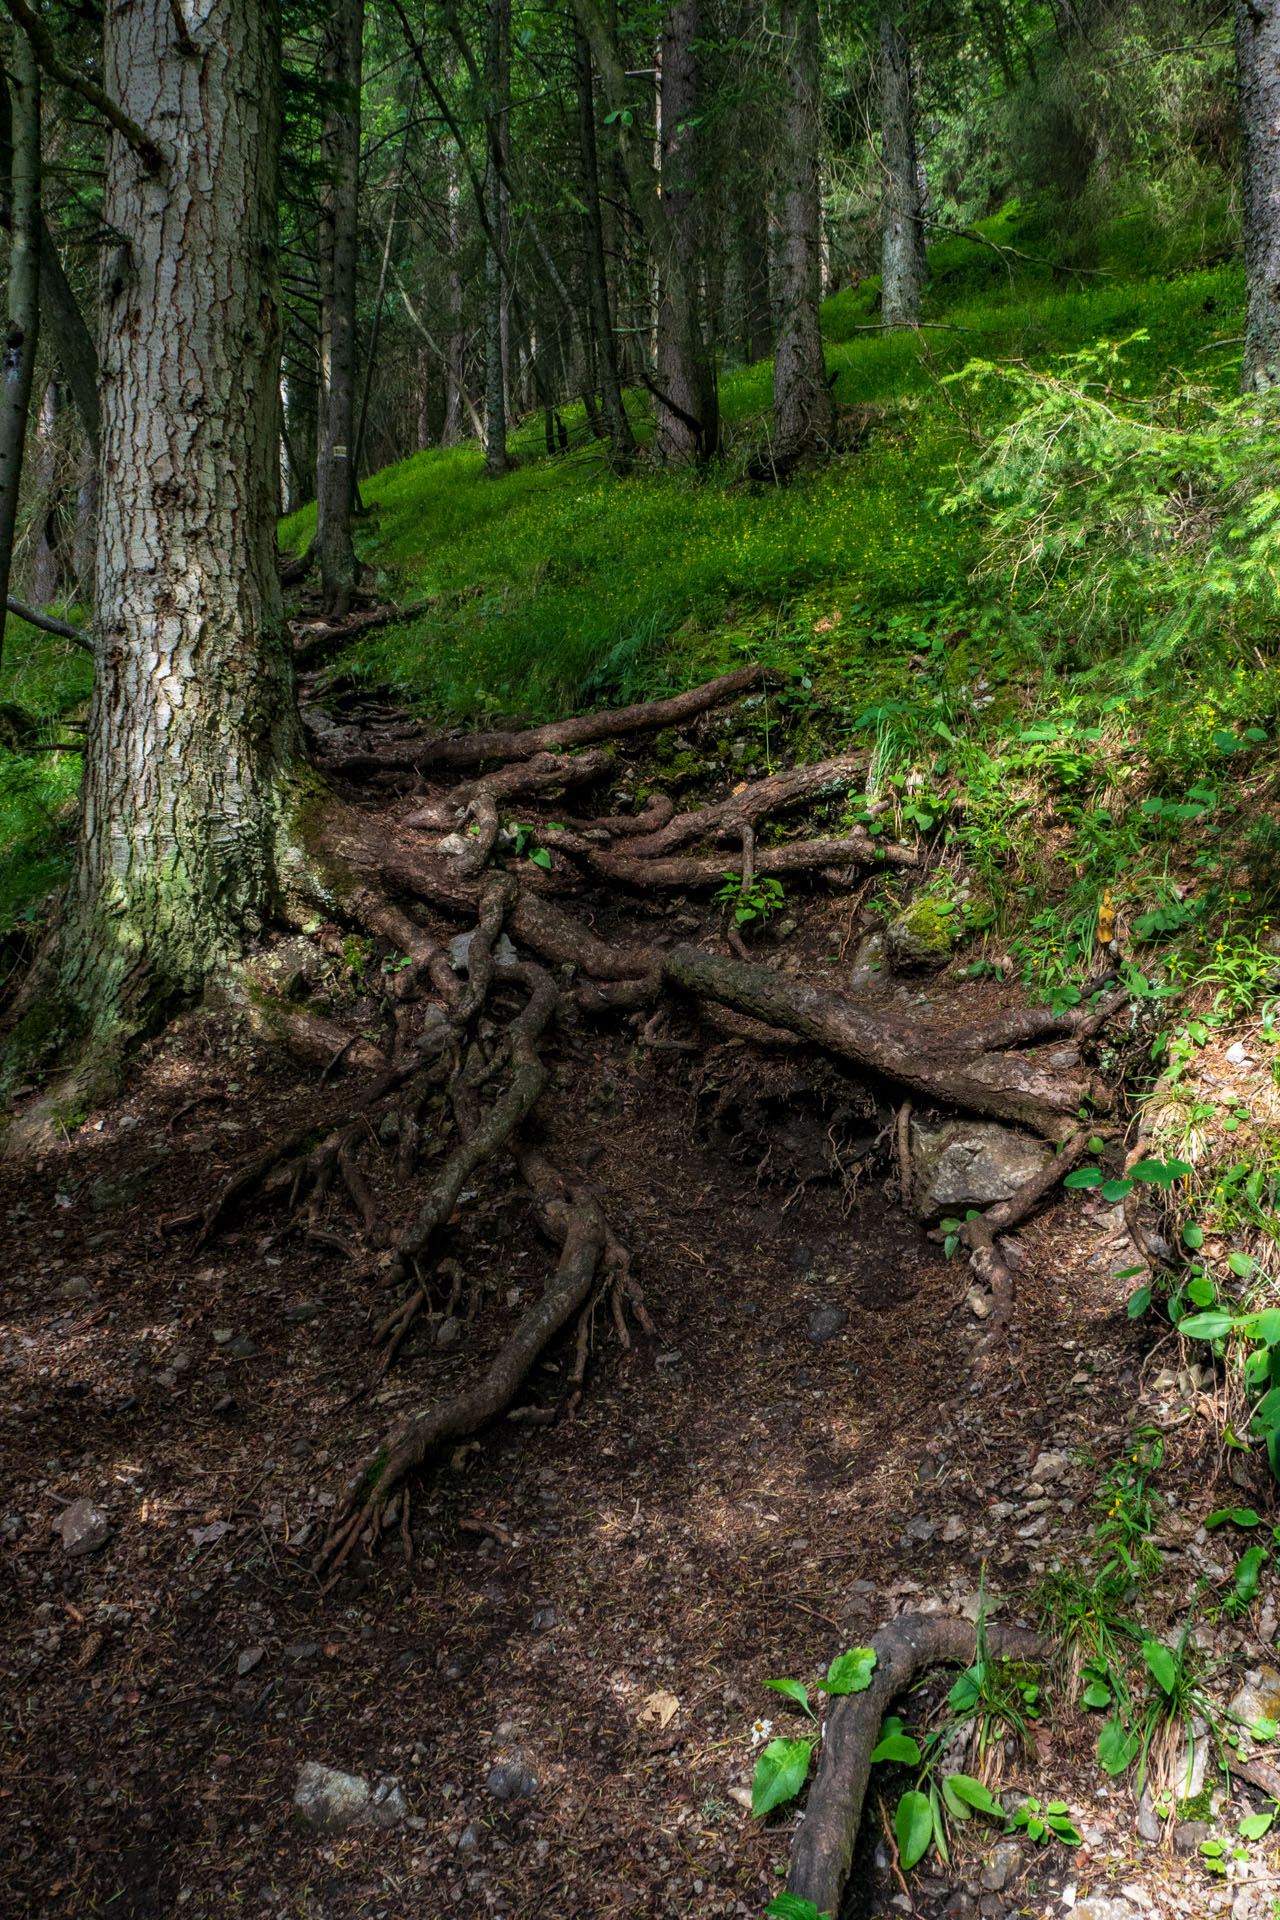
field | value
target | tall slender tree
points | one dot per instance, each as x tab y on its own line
902	254
342	64
803	410
622	444
497	84
21	167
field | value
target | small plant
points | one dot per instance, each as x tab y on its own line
783	1767
759	901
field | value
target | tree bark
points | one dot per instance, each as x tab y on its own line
1257	33
687	406
193	728
69	337
22	330
803	410
622	445
455	365
902	255
46	579
342	62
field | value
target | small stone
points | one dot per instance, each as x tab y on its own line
305	1650
1236	1055
504	953
448	1331
469	1837
84	1527
512	1780
328	1798
800	1257
980	1302
389	1127
248	1660
1099	1907
922	935
953	1529
1006	1858
300	1311
870	967
543	1619
921	1530
970	1163
961	1906
76	1288
242	1347
221	1335
1187	1837
1150	1825
1258	1698
825	1323
1064	1058
991	1907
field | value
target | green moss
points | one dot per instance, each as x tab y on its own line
1199	1808
923	934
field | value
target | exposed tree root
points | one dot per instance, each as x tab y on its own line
822	1851
313	638
522	778
989	1261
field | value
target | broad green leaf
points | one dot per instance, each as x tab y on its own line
793	1690
1162	1664
1254	1825
781	1771
1096	1143
1193	1236
789	1906
913	1826
939	1827
1207	1326
1084	1177
1263	1729
1116	1189
1117	1747
1241	1265
1159	1173
1096	1695
1213	1849
1139	1301
973	1793
949	1245
541	858
1248	1569
897	1746
1070	1836
955	1806
1242	1516
1264	1326
967	1689
850	1672
1202	1292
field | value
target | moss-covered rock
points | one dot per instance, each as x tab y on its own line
923	935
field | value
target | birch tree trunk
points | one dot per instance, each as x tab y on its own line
193	729
1258	78
803	410
339	214
902	256
19	349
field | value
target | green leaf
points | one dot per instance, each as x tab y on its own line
1248	1570
954	1804
967	1690
913	1826
939	1827
897	1746
1116	1189
1193	1236
793	1690
949	1245
1096	1143
781	1771
1070	1836
1242	1516
1254	1825
1213	1848
1139	1301
1084	1177
1207	1326
1201	1292
972	1793
1263	1326
1263	1728
850	1672
1159	1173
541	858
1241	1265
1096	1695
1162	1664
1117	1747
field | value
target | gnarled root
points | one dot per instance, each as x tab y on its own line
989	1261
573	1218
822	1851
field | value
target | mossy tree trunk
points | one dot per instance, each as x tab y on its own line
902	255
193	728
1258	77
803	410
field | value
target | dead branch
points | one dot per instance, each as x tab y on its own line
823	1847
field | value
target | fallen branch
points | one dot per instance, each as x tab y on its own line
48	624
822	1851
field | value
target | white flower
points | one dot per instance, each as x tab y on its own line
760	1730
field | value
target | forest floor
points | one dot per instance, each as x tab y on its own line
800	1453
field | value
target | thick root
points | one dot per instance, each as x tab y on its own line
907	1647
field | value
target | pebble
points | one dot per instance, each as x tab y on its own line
248	1660
76	1288
1236	1054
242	1347
1006	1858
512	1780
921	1530
800	1257
328	1798
543	1619
825	1323
1188	1836
953	1529
83	1527
448	1331
301	1311
1099	1907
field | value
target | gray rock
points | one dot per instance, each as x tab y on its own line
248	1660
800	1257
305	1650
1150	1825
923	1531
961	1906
329	1799
1188	1836
389	1127
1006	1859
991	1907
1259	1697
825	1323
970	1163
469	1837
921	936
448	1331
77	1288
512	1780
300	1311
84	1527
1065	1057
242	1347
870	966
544	1618
460	946
1099	1907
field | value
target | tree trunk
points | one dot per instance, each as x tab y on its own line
24	293
622	445
193	729
687	408
803	411
497	71
902	256
339	217
1258	78
46	579
69	337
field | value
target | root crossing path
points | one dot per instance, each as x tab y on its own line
536	1356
